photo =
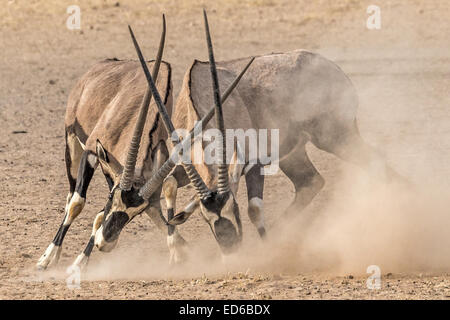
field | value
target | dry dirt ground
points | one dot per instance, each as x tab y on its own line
401	73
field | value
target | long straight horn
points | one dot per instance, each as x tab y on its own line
222	185
192	173
155	181
126	180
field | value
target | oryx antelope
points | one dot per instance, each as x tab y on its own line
188	172
105	118
105	125
305	96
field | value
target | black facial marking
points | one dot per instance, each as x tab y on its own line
85	173
215	202
132	198
118	219
107	207
109	180
87	251
58	240
225	233
114	224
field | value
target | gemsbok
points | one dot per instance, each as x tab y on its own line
105	111
302	95
105	125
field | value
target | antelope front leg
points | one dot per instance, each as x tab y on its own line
255	189
174	241
83	258
74	206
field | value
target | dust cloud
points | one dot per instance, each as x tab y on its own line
402	85
364	221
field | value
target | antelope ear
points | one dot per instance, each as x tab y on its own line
102	154
180	218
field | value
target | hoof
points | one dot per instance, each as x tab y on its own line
50	257
81	261
177	249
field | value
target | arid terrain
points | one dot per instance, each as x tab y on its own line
401	73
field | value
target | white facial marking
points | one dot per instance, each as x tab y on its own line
210	217
81	144
190	208
101	243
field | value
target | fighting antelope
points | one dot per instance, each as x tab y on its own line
305	96
102	118
188	172
105	111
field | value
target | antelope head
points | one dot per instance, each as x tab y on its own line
125	201
218	206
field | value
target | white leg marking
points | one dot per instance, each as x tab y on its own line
81	261
92	160
97	222
192	206
170	186
176	252
255	212
74	208
50	256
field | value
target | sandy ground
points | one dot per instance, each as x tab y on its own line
401	73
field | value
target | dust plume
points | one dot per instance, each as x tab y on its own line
363	220
396	227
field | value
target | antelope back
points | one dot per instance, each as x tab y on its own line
196	98
105	103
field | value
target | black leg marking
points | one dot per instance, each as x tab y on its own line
85	173
60	234
109	180
88	250
68	160
170	214
254	181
